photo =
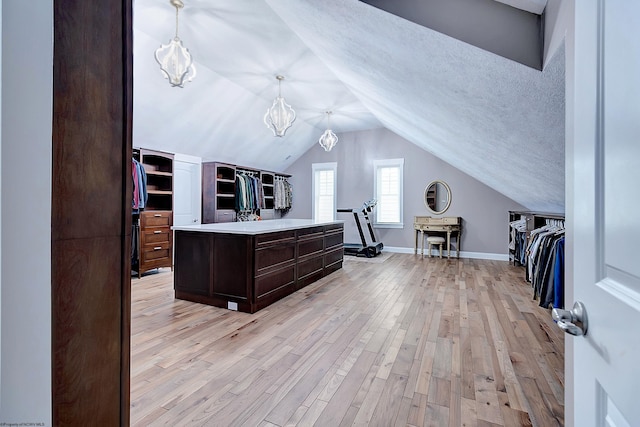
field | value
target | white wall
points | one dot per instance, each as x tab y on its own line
484	211
27	58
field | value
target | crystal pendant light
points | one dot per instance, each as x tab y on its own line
280	116
175	60
328	140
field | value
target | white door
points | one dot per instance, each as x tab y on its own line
186	193
603	204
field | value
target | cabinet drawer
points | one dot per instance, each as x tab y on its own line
271	239
442	228
448	220
333	240
225	215
269	258
156	235
155	252
310	233
310	266
307	247
275	281
156	219
333	256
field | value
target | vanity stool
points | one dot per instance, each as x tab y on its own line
435	240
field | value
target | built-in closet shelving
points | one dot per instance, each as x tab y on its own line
159	169
542	261
219	192
155	238
532	220
268	180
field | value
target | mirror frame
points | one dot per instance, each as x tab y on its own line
436	182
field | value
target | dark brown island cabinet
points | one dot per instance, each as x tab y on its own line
246	266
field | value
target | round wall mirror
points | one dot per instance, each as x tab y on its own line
437	197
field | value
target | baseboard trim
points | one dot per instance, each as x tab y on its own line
463	254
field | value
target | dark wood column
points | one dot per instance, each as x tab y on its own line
91	211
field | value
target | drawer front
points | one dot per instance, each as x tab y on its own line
332	240
270	239
333	256
267	213
275	280
274	257
156	219
307	247
449	220
155	236
334	227
224	215
310	233
156	252
437	227
312	265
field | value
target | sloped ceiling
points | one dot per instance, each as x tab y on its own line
497	120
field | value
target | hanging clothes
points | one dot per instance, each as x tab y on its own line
545	267
282	194
518	239
139	181
249	193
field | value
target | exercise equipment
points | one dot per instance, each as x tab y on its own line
368	250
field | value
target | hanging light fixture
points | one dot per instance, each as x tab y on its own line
280	116
175	60
328	140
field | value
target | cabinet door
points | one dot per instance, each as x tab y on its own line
208	193
186	193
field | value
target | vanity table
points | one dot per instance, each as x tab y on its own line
451	226
437	199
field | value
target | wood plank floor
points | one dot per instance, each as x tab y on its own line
407	341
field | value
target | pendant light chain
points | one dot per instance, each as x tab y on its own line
177	9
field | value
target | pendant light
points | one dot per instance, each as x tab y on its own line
328	140
280	116
175	60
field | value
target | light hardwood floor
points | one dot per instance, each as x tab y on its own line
407	341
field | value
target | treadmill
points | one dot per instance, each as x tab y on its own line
375	248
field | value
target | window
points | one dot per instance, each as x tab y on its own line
388	177
324	191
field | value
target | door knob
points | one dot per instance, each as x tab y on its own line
572	321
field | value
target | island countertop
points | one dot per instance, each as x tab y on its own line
254	227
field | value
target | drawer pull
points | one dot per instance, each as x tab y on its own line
157	232
157	215
157	248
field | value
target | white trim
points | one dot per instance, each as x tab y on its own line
463	254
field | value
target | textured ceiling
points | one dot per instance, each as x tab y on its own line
497	120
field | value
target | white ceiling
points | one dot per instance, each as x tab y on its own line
533	6
495	119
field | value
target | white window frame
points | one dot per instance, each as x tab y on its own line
317	167
377	166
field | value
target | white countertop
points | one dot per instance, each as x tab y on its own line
254	227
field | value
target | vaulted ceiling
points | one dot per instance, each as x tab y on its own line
496	119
